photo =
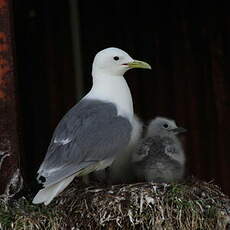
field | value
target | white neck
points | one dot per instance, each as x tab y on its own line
112	89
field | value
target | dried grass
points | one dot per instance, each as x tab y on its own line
192	205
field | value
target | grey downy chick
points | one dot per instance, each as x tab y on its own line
160	156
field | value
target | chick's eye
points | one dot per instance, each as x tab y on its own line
116	58
165	126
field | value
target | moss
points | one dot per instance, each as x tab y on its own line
192	205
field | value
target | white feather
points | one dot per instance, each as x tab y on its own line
113	89
47	194
62	141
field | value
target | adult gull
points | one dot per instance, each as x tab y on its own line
98	127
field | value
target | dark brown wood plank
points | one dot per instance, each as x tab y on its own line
10	178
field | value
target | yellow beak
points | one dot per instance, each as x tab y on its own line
139	64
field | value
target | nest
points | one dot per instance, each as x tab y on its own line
192	205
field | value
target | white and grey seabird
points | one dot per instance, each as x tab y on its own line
90	135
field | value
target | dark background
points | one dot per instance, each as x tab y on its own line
187	44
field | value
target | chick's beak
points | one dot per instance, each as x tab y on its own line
179	130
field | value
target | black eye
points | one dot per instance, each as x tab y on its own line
165	126
42	179
116	58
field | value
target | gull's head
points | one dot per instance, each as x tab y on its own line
163	126
114	61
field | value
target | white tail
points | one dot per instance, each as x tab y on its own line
46	195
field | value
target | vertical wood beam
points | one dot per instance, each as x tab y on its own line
10	178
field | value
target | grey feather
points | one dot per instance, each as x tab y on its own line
159	156
120	171
91	132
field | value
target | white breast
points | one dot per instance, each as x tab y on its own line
113	89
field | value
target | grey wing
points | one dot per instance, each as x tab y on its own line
148	148
170	149
174	150
91	132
